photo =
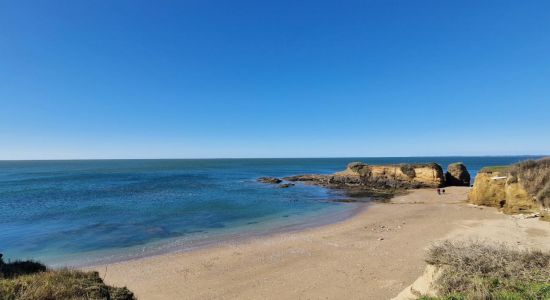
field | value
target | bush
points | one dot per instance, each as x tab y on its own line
475	270
535	178
30	280
533	174
18	267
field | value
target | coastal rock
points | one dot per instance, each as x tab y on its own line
286	185
457	175
400	176
489	189
272	180
358	168
509	188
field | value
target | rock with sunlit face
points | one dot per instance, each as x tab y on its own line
457	175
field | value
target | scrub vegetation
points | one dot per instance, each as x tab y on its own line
31	280
479	270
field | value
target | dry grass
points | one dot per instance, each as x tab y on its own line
29	280
477	270
535	178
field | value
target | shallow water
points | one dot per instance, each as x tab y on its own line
85	212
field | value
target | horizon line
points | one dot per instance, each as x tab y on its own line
309	157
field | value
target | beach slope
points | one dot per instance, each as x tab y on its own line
373	255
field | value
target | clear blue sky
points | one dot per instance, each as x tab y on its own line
177	79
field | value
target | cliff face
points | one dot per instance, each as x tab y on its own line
420	175
488	189
503	190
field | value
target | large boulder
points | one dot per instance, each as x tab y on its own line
457	174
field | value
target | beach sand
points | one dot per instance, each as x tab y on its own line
373	255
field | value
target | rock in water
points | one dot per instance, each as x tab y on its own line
285	185
273	180
457	174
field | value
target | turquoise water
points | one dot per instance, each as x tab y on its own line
90	211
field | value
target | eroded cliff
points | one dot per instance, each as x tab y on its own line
523	187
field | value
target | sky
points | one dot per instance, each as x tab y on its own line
214	79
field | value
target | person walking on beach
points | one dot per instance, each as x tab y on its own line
443	191
438	191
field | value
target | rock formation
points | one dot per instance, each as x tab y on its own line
523	187
272	180
457	174
286	185
400	176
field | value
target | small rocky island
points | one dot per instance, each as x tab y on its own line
383	180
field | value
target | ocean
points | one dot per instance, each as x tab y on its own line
85	212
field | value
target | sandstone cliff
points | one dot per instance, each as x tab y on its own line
523	187
381	177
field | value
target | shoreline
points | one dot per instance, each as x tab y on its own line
374	255
178	245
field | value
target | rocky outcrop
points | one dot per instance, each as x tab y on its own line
500	188
275	181
286	185
272	180
457	175
400	176
489	189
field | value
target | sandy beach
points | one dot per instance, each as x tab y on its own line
373	255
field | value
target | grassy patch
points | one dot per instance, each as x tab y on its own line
475	270
494	169
22	280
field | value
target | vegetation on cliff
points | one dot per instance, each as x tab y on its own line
535	178
477	270
30	280
524	186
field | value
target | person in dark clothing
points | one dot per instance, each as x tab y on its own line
439	191
443	191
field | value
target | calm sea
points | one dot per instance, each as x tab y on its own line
92	211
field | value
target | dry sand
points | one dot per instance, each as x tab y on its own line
373	255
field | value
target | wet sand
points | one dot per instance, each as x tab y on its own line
373	255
